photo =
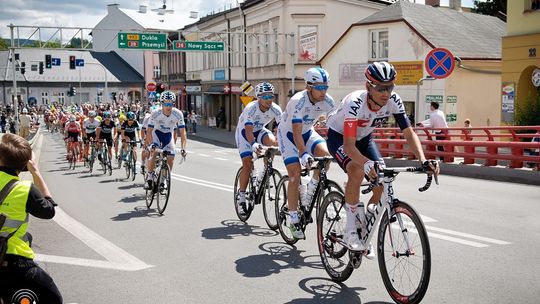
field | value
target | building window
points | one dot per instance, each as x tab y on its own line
276	47
44	98
378	44
266	49
157	72
61	98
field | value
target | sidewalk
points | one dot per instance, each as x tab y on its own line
214	135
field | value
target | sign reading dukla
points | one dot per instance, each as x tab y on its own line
142	41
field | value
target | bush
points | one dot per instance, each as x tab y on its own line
528	112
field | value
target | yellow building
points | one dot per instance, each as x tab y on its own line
520	55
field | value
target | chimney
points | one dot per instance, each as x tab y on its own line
455	5
112	7
435	3
193	14
142	9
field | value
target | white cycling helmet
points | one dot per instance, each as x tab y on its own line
316	75
167	95
264	87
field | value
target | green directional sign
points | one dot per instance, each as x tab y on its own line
209	46
140	41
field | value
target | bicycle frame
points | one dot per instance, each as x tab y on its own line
269	156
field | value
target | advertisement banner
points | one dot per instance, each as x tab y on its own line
408	72
307	43
508	94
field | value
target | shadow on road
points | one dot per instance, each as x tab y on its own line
139	211
130	186
232	228
278	256
326	291
133	198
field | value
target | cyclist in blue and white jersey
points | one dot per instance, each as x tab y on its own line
251	132
161	132
351	144
298	141
146	119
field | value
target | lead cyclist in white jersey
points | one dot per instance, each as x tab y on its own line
351	144
298	141
251	132
161	132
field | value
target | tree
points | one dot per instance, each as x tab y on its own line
528	112
4	45
76	44
495	8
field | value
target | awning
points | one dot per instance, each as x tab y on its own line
215	90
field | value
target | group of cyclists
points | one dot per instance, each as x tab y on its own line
349	141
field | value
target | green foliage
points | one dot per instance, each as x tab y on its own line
495	8
4	45
76	43
528	111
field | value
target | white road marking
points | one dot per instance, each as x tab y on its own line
116	258
201	182
467	235
219	158
204	155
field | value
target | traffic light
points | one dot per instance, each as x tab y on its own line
48	61
73	91
41	68
23	67
72	62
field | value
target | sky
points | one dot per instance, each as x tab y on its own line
87	13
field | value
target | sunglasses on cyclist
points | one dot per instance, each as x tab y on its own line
168	104
382	88
319	87
267	97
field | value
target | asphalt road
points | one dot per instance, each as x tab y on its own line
104	246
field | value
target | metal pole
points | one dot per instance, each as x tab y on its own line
80	87
293	74
15	98
417	105
244	59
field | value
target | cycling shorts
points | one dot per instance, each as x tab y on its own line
288	149
130	136
107	137
244	146
366	146
88	136
164	141
74	136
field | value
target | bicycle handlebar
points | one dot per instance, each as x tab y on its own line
392	172
321	162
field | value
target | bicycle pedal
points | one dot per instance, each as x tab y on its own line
355	259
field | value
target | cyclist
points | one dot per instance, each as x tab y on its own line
73	129
90	125
130	131
251	132
161	132
298	141
146	119
119	119
351	144
106	131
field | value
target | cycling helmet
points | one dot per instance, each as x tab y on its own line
71	118
316	75
264	87
167	95
380	71
107	114
92	114
130	115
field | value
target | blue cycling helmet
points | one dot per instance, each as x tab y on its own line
167	95
107	114
380	71
264	87
130	115
314	75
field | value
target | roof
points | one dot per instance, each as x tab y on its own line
466	35
118	71
153	20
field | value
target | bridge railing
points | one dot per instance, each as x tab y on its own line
509	146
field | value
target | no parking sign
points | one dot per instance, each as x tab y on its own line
439	63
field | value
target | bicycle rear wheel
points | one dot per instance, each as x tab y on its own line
405	270
133	166
282	211
127	164
163	188
104	156
91	160
243	217
269	198
330	231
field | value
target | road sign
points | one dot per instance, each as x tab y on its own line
142	41
79	62
55	61
246	99
246	87
209	46
151	87
439	63
151	94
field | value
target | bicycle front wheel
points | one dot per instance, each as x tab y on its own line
127	165
269	199
163	188
243	217
404	254
282	211
104	161
330	231
133	166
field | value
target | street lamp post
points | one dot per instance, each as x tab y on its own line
417	106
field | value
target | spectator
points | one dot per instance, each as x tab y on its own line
221	118
436	121
19	271
466	132
3	122
535	4
193	118
26	120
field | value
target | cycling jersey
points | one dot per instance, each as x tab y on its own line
300	110
130	130
253	116
106	129
90	125
355	118
164	126
72	127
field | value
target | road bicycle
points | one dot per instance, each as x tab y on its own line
105	160
304	212
161	182
92	155
73	153
260	191
130	164
402	247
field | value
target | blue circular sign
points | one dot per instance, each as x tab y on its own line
439	63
